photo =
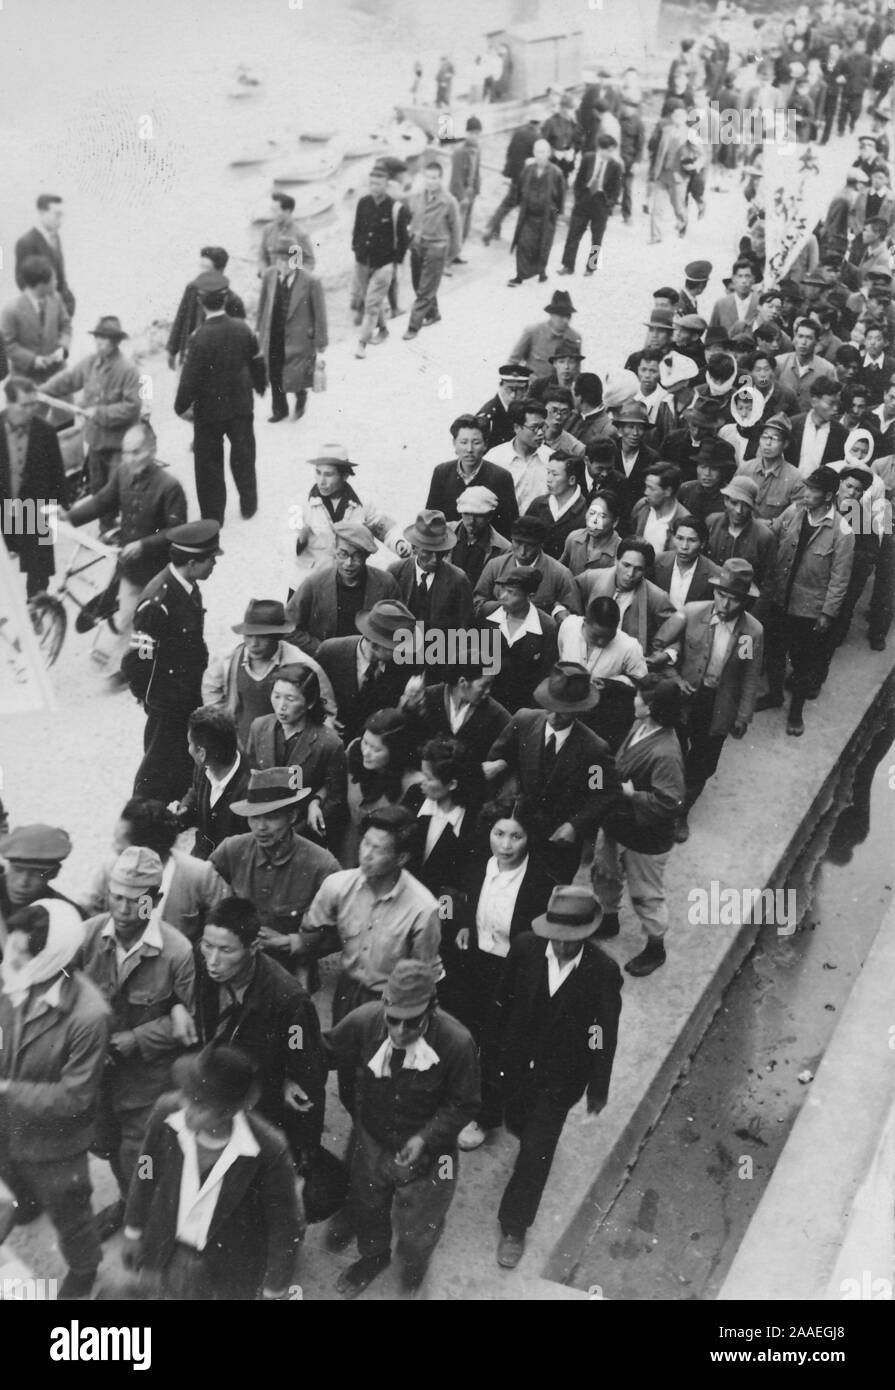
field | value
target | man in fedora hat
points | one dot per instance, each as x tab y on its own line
556	593
32	856
565	368
219	376
364	674
329	599
241	680
110	398
272	864
701	497
512	385
331	500
701	420
558	1008
151	502
812	569
215	1216
738	533
168	656
597	187
696	276
292	329
477	539
719	669
636	836
527	639
778	483
417	1078
659	328
374	916
469	468
559	762
437	593
540	340
143	967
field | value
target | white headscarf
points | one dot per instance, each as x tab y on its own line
854	438
63	939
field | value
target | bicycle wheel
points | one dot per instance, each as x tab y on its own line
49	620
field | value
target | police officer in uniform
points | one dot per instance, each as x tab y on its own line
168	657
494	414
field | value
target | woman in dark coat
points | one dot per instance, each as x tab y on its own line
541	196
506	887
296	736
446	803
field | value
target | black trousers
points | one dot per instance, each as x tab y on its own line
348	994
167	768
627	190
62	1187
509	201
702	749
591	212
807	649
208	457
469	992
537	1120
877	560
849	110
279	401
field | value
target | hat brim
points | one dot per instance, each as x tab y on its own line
566	931
407	1010
717	583
338	463
104	333
381	640
129	890
264	808
413	537
263	629
564	313
547	701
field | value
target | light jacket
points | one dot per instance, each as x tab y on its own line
219	684
825	568
315	535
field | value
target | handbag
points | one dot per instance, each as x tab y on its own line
326	1185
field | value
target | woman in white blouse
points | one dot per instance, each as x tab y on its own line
445	802
504	892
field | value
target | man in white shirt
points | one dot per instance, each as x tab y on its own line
595	641
526	454
821	437
801	367
654	512
215	1216
650	394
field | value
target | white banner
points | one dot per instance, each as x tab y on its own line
24	680
796	198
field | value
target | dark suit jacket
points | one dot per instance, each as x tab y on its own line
566	795
534	895
314	607
833	449
643	616
493	415
320	755
559	531
699	589
338	657
190	315
34	243
634	484
445	869
612	179
525	664
447	485
217	379
678	448
569	1039
215	823
43	480
255	1230
477	733
450	596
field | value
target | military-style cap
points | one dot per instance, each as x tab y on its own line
779	422
698	270
210	282
36	845
136	871
197	538
515	371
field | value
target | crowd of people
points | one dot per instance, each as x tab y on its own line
437	774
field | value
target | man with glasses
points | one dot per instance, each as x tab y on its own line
331	596
560	405
525	455
417	1087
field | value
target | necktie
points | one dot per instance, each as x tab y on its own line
196	596
423	591
596	182
42	311
396	1061
549	754
371	676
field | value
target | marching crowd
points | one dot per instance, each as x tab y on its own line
440	773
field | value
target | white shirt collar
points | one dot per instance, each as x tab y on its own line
197	1199
152	936
531	624
556	510
419	1056
559	971
493	871
453	817
558	736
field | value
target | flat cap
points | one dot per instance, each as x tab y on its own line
779	422
355	535
477	501
210	281
695	322
137	870
36	844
